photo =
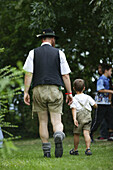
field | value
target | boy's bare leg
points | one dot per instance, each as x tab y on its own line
76	141
87	138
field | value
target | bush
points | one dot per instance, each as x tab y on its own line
10	86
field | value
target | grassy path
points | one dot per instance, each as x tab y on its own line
29	156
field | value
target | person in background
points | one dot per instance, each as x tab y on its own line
47	67
81	112
104	127
104	109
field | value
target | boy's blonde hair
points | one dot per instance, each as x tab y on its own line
79	84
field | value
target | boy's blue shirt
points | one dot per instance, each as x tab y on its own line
103	83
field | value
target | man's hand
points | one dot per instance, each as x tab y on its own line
26	98
69	99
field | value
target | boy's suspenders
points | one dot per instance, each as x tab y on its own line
83	106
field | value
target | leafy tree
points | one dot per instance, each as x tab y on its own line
106	8
15	34
84	29
84	42
9	77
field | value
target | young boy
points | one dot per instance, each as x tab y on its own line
104	103
81	112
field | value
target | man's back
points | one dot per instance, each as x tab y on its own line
47	66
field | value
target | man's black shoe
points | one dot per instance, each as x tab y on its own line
58	146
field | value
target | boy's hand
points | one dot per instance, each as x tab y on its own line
76	122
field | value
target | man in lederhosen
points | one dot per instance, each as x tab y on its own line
47	67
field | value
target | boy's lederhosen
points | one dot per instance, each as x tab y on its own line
83	118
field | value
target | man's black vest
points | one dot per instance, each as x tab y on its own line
47	66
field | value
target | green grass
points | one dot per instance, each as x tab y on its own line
29	156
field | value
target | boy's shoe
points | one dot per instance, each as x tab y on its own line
72	152
88	152
58	146
48	155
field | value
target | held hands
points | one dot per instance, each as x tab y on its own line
26	98
69	98
76	122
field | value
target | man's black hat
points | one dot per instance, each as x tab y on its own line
47	33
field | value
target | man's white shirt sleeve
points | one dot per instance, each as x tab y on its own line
64	64
28	66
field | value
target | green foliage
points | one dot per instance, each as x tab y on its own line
44	14
1	50
15	34
10	85
85	43
106	8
